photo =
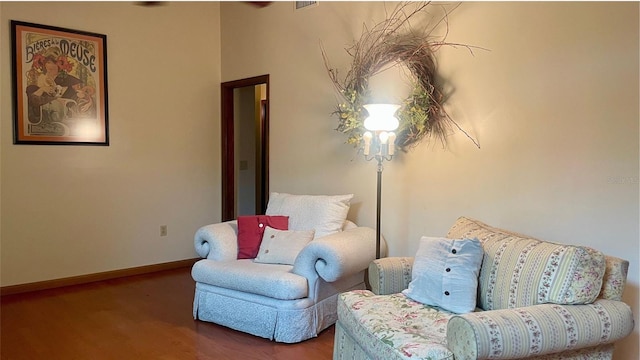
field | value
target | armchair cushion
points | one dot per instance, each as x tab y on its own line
251	229
445	273
326	214
282	246
271	280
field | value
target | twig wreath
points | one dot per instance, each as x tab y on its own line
393	41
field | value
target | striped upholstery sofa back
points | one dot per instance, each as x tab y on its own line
519	270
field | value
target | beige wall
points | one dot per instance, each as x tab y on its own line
74	210
554	104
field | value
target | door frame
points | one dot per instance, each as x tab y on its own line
227	146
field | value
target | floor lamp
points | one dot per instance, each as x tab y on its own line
379	144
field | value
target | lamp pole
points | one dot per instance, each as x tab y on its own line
378	207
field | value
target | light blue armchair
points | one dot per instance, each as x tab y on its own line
285	303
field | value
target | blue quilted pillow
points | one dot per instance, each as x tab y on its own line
445	273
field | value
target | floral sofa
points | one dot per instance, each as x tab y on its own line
535	300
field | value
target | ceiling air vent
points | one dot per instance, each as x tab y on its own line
304	4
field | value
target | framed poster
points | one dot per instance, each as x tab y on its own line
59	86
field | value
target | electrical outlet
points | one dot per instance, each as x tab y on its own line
163	230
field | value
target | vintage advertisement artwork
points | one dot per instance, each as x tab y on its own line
60	86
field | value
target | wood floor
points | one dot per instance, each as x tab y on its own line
139	317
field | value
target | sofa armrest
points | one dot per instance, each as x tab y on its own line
337	255
537	330
390	275
217	241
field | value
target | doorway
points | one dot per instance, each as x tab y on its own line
245	146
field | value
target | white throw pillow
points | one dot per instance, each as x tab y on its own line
325	214
282	246
445	273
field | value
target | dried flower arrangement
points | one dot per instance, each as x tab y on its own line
386	44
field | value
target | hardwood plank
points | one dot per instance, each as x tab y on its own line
139	317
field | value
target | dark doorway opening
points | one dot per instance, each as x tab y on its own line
245	146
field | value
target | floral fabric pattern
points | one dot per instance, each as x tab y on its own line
538	330
522	271
520	280
615	277
394	326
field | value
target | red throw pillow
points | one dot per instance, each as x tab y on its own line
250	230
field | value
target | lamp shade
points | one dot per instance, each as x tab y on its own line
381	117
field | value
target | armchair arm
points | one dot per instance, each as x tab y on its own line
337	255
537	330
390	275
217	241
